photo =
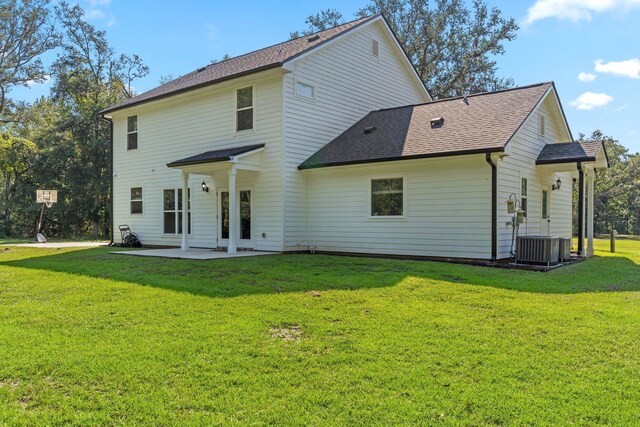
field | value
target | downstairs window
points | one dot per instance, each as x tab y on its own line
387	197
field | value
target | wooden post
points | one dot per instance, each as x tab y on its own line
613	240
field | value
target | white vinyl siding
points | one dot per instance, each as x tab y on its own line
193	123
349	83
447	210
525	147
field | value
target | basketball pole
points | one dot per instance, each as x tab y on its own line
40	221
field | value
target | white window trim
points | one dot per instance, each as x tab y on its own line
174	235
236	109
297	81
126	128
402	217
137	215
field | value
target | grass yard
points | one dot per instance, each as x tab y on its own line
89	338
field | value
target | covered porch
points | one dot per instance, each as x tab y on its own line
223	167
582	159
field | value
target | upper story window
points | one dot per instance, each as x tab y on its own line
541	126
387	197
375	48
305	90
136	200
132	132
244	109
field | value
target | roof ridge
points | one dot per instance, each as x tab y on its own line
454	98
277	44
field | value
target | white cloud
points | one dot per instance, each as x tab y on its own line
576	10
98	10
590	100
31	83
586	77
212	31
628	68
94	14
621	108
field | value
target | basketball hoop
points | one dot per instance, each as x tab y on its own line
46	198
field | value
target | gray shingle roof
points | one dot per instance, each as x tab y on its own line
214	156
485	124
569	152
259	60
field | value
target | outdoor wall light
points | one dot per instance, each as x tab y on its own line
205	187
556	186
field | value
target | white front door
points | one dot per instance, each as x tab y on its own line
545	227
244	221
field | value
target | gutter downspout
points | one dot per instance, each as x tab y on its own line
494	207
580	209
110	121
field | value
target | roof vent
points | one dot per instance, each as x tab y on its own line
465	100
369	129
438	122
313	38
201	69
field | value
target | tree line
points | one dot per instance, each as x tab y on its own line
60	142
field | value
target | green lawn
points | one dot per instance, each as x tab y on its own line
90	338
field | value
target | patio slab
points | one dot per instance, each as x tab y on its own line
202	254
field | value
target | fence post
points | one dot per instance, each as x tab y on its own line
613	240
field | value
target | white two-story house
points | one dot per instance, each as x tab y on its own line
332	142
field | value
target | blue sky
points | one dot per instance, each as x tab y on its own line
590	48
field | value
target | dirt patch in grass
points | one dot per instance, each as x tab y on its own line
287	332
450	278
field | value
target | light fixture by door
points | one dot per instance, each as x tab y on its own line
205	187
556	186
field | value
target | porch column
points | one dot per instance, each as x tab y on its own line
185	210
232	211
580	210
590	185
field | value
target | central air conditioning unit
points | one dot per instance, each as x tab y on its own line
565	249
537	250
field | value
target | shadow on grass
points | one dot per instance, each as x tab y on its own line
304	272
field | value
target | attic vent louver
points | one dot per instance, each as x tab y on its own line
369	129
438	122
313	38
201	69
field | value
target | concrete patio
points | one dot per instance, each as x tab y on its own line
191	253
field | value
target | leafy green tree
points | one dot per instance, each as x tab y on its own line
452	45
617	189
322	20
60	142
17	158
88	77
26	32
